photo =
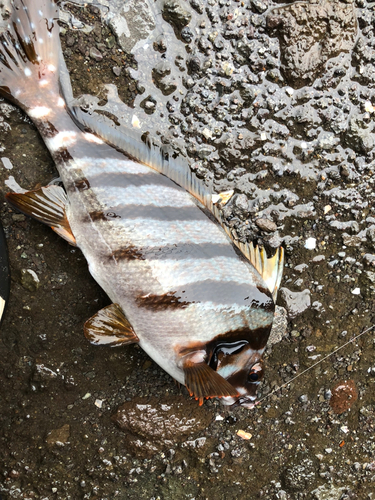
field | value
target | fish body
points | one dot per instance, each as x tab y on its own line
179	286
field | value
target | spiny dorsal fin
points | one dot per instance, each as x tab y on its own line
109	326
47	205
203	382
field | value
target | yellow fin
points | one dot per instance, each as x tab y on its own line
47	205
222	198
109	326
270	268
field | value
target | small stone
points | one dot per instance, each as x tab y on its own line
318	259
344	394
29	280
351	240
95	54
369	259
303	398
116	70
310	243
266	224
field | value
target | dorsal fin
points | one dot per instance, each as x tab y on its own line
203	382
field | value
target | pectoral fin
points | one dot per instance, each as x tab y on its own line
109	326
203	382
47	205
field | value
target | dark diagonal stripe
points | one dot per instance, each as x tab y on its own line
218	292
225	292
161	302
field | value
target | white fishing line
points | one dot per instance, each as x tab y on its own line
315	364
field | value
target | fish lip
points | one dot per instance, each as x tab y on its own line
244	402
248	402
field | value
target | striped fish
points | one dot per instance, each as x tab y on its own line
4	273
149	229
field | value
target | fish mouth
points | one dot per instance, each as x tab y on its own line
244	401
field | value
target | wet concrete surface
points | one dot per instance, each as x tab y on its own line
300	156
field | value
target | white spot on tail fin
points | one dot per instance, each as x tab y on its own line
43	83
40	12
39	112
41	40
93	138
27	71
51	67
62	140
61	102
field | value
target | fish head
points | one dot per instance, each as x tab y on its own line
242	366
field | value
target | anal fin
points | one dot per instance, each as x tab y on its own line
270	268
203	382
47	205
109	326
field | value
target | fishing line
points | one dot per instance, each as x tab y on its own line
315	364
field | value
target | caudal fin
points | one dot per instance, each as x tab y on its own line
29	52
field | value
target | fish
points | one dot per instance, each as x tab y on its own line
4	274
199	303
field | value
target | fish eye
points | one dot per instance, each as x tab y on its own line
255	373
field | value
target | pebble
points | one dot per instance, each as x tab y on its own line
318	259
95	54
344	395
310	243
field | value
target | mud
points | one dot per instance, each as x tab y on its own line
301	160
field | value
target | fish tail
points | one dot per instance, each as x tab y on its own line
29	53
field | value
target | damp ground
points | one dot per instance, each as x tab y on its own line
293	136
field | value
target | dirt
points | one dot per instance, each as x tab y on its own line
301	159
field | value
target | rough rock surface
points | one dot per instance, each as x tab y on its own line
151	426
310	33
295	302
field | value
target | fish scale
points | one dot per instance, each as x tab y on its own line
179	286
